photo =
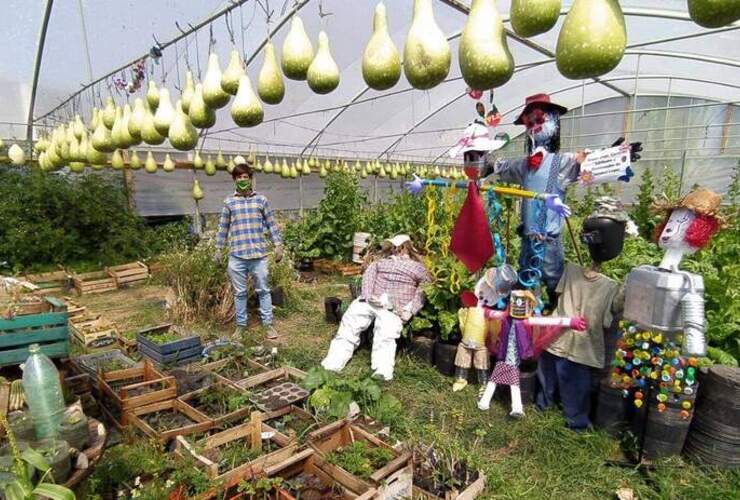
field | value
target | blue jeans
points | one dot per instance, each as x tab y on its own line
238	270
567	382
554	259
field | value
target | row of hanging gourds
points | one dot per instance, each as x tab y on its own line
591	42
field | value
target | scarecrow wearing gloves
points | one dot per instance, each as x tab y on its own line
546	170
391	295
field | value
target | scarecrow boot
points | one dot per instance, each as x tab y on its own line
482	380
461	379
517	410
485	400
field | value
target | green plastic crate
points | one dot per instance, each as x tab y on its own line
50	330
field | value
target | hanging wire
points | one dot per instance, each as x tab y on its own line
230	28
197	53
177	69
241	28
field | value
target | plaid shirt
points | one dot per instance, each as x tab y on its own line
401	279
244	220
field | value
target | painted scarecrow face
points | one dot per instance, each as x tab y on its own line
541	125
674	232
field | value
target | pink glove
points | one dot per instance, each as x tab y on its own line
578	323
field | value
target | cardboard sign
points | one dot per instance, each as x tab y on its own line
607	165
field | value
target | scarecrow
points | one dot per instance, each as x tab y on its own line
522	336
391	294
546	170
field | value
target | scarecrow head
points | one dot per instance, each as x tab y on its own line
690	223
474	145
541	117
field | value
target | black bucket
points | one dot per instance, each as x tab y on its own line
665	432
612	409
714	435
278	296
444	358
333	310
422	349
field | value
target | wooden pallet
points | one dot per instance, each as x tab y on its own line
119	385
201	423
93	332
129	274
94	282
50	330
394	480
74	308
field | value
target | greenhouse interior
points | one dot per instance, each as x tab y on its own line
386	249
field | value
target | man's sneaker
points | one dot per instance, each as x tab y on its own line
271	333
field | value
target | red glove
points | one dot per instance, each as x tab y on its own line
578	323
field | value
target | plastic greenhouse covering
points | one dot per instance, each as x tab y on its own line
676	89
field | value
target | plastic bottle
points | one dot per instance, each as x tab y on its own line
43	393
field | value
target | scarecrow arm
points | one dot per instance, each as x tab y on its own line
575	323
496	314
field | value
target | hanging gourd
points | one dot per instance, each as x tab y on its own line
297	51
270	85
101	138
17	155
165	113
187	94
234	71
200	114
485	60
534	17
246	110
169	164
150	165
210	167
213	95
136	120
109	113
152	95
116	160
426	55
197	191
198	162
134	162
323	73
182	134
592	40
381	62
149	132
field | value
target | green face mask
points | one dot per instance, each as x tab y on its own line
244	184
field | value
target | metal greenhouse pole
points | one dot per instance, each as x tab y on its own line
37	71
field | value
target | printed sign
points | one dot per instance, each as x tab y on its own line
607	165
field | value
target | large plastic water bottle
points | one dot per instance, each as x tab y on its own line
43	393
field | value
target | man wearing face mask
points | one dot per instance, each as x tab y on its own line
391	294
245	218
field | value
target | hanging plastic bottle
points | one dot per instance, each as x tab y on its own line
43	393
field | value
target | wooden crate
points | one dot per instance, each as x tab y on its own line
74	308
94	282
253	368
191	399
469	493
93	331
52	282
350	269
343	268
186	349
289	434
119	385
129	274
247	435
394	480
304	462
272	377
200	423
49	329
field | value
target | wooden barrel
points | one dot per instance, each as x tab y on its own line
612	409
665	432
714	436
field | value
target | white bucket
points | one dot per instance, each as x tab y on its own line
359	244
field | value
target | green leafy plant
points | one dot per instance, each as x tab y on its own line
262	488
328	230
332	395
360	459
19	484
